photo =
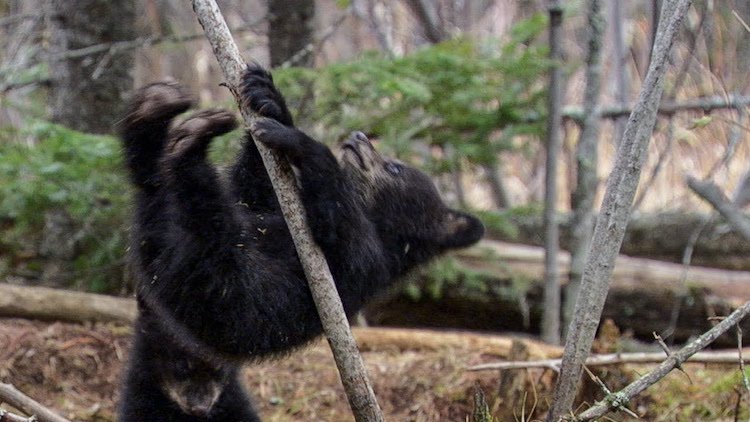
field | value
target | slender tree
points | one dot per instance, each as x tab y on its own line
551	318
614	214
582	199
290	30
86	93
330	308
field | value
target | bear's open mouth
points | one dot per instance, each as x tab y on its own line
349	146
354	144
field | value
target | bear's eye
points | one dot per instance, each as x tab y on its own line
393	168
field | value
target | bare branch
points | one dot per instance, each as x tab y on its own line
10	394
120	46
667	108
614	215
711	193
335	324
6	416
672	362
717	358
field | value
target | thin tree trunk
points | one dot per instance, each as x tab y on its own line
335	324
582	200
551	319
426	12
620	64
494	177
615	211
290	29
86	94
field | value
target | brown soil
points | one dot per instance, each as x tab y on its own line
75	370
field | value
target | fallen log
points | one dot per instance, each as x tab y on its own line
63	305
646	296
643	297
401	339
659	236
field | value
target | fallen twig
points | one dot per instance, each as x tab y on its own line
12	396
720	358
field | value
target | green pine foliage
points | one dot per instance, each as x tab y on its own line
461	98
467	97
65	171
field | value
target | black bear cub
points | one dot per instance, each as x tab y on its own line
218	279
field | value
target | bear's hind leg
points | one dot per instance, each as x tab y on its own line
200	203
145	126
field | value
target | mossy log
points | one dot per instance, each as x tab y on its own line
661	236
499	288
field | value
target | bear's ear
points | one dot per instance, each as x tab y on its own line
460	230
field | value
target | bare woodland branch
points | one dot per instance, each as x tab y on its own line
335	324
668	107
621	397
120	46
711	193
614	215
6	416
716	358
10	395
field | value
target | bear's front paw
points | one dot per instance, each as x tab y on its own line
260	96
158	102
275	135
196	132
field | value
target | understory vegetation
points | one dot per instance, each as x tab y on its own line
64	214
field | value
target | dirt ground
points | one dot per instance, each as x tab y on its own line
76	369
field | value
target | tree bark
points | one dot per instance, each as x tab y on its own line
290	30
426	12
614	215
620	65
587	180
87	93
331	310
551	323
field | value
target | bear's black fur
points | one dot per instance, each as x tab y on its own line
219	282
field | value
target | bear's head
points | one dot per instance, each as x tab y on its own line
404	204
193	384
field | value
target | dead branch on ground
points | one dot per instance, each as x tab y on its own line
714	358
616	400
12	396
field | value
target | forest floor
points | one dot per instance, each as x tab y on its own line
75	370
